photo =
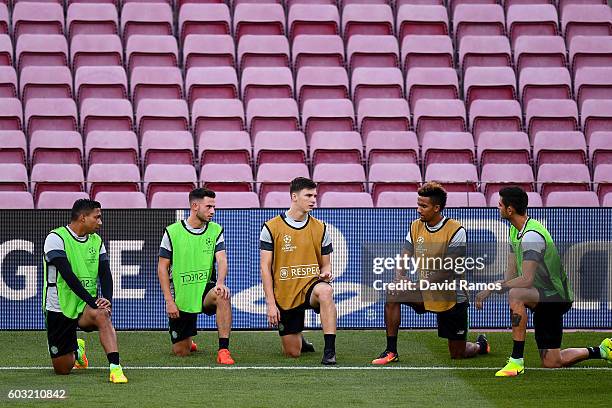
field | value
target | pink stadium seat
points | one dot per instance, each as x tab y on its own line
544	83
58	200
237	199
559	147
11	114
106	114
95	50
590	51
397	177
8	82
227	177
170	199
151	51
382	114
490	115
313	19
52	146
606	201
13	177
334	199
602	179
488	83
218	114
539	51
580	199
435	51
484	51
41	49
112	177
13	147
532	20
317	51
196	18
552	115
562	177
397	199
391	147
121	199
276	199
50	114
212	83
100	82
478	19
494	177
321	83
580	19
452	4
6	50
600	148
154	19
367	19
439	115
376	83
168	177
167	147
468	199
263	51
4	19
422	20
372	51
562	3
111	147
534	199
16	200
327	115
266	19
455	177
503	148
260	82
448	147
162	114
277	177
208	51
96	18
593	83
156	83
336	147
272	114
596	115
338	177
224	147
45	82
37	18
431	83
56	177
279	147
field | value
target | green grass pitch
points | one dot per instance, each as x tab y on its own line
425	377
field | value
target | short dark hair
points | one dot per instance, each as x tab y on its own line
200	193
300	183
83	206
435	191
516	198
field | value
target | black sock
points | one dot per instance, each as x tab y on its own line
594	353
330	342
392	344
223	343
113	358
76	354
518	349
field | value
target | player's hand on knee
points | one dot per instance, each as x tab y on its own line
172	310
326	276
104	304
222	291
273	315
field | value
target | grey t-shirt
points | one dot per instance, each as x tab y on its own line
265	239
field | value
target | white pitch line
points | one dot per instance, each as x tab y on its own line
313	368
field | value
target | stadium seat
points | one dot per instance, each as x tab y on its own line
211	82
170	199
13	177
531	20
382	114
279	147
544	83
162	114
572	199
272	114
263	51
489	115
367	19
317	51
321	83
484	51
478	19
207	19
397	199
167	147
16	200
13	147
600	148
224	147
112	177
218	114
433	51
562	177
276	199
534	199
391	147
606	201
398	177
208	51
273	177
503	148
151	51
169	178
52	146
539	51
37	18
333	199
6	50
596	115
439	115
602	179
111	147
94	19
551	115
227	177
422	20
336	147
100	82
590	51
56	177
559	147
448	147
338	177
431	83
106	114
488	83
494	177
258	19
154	19
454	176
11	114
45	82
593	83
465	199
95	50
586	19
372	51
156	83
4	19
376	83
8	82
41	50
50	114
260	82
237	199
313	19
327	115
121	199
58	200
